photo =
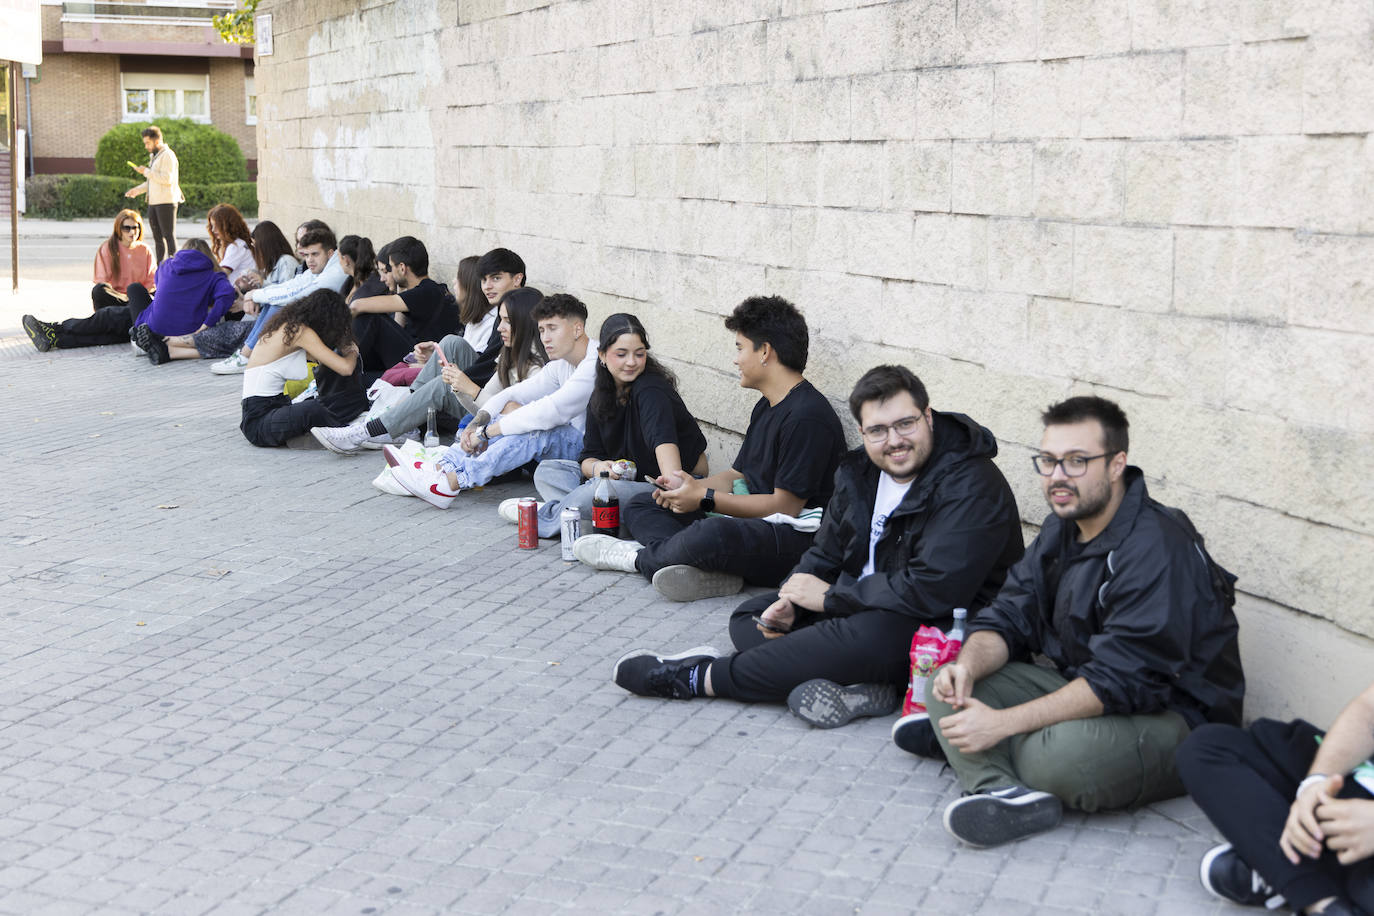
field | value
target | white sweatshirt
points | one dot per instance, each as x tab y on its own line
556	396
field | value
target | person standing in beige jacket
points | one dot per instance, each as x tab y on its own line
163	189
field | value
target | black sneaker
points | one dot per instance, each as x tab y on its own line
672	677
1224	874
153	344
916	735
1001	815
826	704
43	335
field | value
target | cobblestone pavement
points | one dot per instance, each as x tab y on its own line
240	680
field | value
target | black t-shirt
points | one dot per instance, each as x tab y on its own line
653	416
431	310
374	285
795	446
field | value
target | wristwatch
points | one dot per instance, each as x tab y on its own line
708	502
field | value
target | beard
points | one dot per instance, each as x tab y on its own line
1091	500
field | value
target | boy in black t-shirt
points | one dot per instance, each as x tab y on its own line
785	465
428	309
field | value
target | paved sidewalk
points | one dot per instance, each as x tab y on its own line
240	680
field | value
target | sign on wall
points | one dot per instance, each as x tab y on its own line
22	37
262	33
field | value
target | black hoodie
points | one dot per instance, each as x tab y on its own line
1137	613
948	543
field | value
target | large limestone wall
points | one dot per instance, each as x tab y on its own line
1167	203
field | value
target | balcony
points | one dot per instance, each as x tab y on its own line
185	13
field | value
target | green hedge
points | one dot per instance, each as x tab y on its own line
205	155
82	196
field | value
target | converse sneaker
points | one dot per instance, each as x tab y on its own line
509	510
601	551
43	335
915	734
426	481
687	583
378	442
342	440
1002	814
233	364
826	704
1224	874
672	677
152	343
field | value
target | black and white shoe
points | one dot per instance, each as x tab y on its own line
1002	814
672	677
915	734
825	704
152	343
1224	874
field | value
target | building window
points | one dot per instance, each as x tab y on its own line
166	95
250	100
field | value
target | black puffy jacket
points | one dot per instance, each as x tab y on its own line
1141	612
948	544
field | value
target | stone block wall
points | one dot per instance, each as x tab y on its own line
1169	204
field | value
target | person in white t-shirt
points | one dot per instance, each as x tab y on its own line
921	522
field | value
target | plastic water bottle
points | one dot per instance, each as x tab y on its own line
432	429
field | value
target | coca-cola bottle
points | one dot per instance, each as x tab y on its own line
605	507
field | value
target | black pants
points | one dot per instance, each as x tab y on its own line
163	220
872	647
103	296
382	342
109	325
271	421
761	552
1244	780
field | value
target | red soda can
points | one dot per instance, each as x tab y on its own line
528	538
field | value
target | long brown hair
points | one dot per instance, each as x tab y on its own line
227	224
526	350
474	305
112	243
269	245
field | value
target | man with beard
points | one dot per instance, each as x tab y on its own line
921	522
1119	595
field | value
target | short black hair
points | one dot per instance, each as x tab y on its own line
311	224
882	382
560	305
153	131
383	257
773	320
411	252
501	260
323	237
1115	426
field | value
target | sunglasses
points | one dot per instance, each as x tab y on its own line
129	228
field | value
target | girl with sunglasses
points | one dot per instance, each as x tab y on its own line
122	259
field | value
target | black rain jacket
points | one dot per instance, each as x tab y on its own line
1142	613
948	544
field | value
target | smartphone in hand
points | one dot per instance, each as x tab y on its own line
770	627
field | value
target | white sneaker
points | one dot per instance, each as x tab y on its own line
341	440
233	364
386	482
376	442
425	481
510	509
601	551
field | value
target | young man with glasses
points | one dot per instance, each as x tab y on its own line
921	522
1119	595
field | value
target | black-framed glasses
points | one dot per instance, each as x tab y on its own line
1073	465
128	228
904	427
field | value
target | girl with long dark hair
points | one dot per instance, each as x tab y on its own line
122	259
320	328
360	263
635	413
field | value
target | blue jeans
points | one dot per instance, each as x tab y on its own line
509	453
559	482
259	324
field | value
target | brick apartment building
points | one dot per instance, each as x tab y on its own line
104	63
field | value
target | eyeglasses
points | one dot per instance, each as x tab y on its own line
904	427
128	228
1073	465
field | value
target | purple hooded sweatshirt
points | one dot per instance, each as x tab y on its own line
191	292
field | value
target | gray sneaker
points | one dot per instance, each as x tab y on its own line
341	440
687	583
1002	814
825	704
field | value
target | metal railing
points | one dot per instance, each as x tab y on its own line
185	13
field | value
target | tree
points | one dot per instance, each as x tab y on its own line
237	26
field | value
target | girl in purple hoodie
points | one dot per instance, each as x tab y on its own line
193	293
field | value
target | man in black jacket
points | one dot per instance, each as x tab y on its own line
1119	594
921	522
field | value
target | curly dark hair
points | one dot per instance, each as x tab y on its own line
606	397
323	312
773	320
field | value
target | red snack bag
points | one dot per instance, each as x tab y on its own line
930	648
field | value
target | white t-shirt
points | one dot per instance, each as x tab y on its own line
890	496
238	259
479	332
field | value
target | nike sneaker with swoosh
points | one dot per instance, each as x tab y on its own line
425	481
